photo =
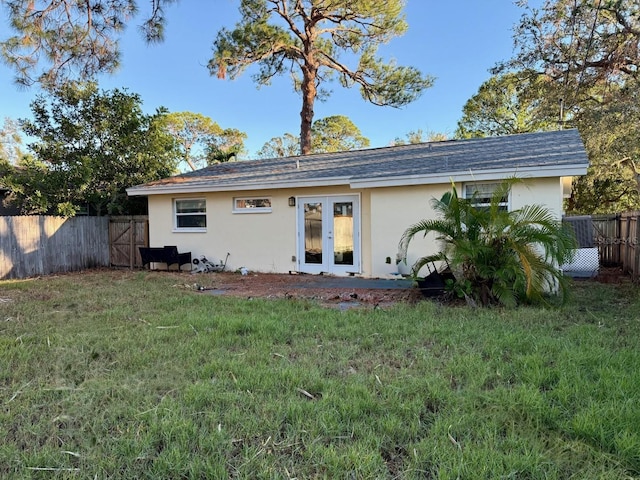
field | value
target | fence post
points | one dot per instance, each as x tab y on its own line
132	241
636	247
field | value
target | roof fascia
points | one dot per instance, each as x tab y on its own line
203	187
472	176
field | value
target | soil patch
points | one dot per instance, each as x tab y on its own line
338	292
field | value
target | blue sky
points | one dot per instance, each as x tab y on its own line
456	42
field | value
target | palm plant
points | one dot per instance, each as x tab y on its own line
498	256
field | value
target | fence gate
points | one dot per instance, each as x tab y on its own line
126	234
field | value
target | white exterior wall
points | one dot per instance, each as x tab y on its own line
547	192
266	242
393	210
261	242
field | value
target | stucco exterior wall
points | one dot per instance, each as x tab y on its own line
262	242
267	242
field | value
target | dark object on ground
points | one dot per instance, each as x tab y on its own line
166	254
434	284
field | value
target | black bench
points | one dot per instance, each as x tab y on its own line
166	254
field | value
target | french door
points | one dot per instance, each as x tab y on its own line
329	234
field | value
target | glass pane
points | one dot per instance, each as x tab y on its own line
483	193
191	206
192	221
253	203
343	233
313	233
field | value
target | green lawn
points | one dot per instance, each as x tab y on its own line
131	375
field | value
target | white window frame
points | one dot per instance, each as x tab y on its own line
176	215
465	194
240	209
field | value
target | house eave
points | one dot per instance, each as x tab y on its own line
472	176
205	187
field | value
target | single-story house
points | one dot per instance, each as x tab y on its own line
344	213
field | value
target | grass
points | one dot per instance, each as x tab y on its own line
130	375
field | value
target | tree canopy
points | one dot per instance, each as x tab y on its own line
90	146
201	140
507	104
583	57
336	133
419	136
314	41
57	40
10	142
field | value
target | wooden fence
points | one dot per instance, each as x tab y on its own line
40	245
617	238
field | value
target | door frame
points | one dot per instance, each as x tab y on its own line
328	266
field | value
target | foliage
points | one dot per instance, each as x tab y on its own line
336	133
90	146
201	140
121	375
53	41
313	40
507	257
418	136
287	145
10	142
585	56
504	105
579	43
612	140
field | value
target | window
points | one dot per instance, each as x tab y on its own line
191	214
252	205
481	193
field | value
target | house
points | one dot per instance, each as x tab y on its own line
344	213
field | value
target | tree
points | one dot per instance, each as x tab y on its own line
498	256
612	140
54	40
201	140
90	146
287	145
418	136
579	44
307	38
336	133
587	56
10	142
504	105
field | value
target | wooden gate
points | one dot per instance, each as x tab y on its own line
126	234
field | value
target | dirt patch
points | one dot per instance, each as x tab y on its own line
612	275
330	291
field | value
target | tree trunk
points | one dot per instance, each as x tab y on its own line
306	114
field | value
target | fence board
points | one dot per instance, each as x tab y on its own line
40	245
617	239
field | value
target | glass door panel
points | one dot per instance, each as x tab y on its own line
313	239
343	233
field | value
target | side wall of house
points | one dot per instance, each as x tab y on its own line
262	242
267	242
394	209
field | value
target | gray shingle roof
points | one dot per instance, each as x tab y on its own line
406	164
